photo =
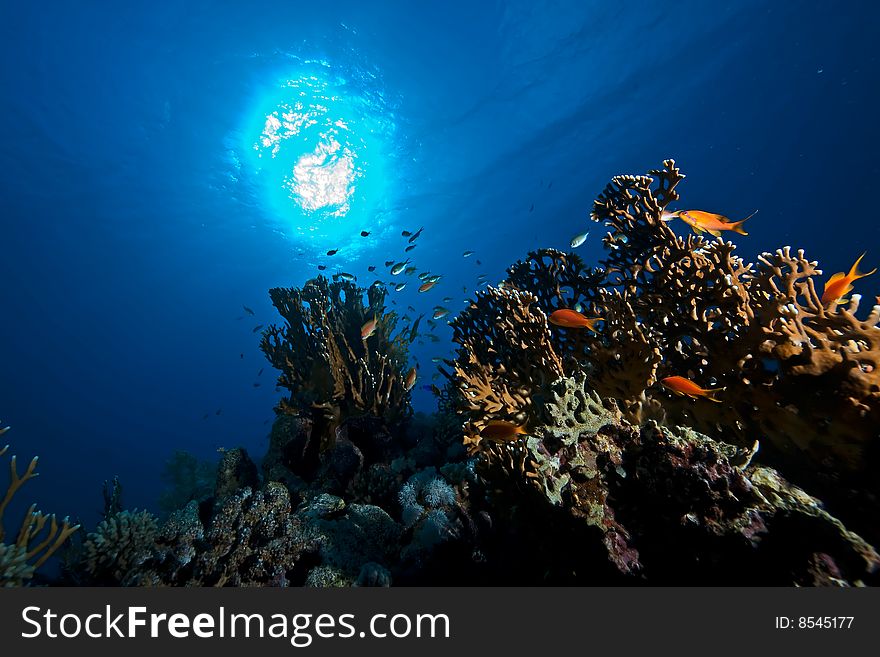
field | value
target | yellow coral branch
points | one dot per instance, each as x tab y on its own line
15	482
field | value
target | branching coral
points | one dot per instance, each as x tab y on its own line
120	544
505	358
39	536
330	371
800	377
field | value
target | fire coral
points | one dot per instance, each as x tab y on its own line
333	374
801	378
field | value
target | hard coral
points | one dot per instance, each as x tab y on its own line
662	504
802	378
119	545
39	536
331	372
505	358
249	539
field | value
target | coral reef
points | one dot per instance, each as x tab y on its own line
39	535
556	456
506	359
802	378
664	505
331	372
121	543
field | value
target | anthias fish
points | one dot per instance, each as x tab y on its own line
568	318
682	386
709	222
369	328
440	312
410	379
502	431
841	284
409	271
424	287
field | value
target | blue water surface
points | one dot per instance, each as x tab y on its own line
165	164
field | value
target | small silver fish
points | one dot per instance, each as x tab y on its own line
424	275
577	240
399	286
433	279
399	267
467	254
409	271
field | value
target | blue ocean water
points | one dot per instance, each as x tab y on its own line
165	164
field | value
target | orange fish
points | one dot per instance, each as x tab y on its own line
708	221
501	431
573	319
682	386
369	328
841	284
410	379
424	287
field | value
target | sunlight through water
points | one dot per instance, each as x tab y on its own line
320	140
